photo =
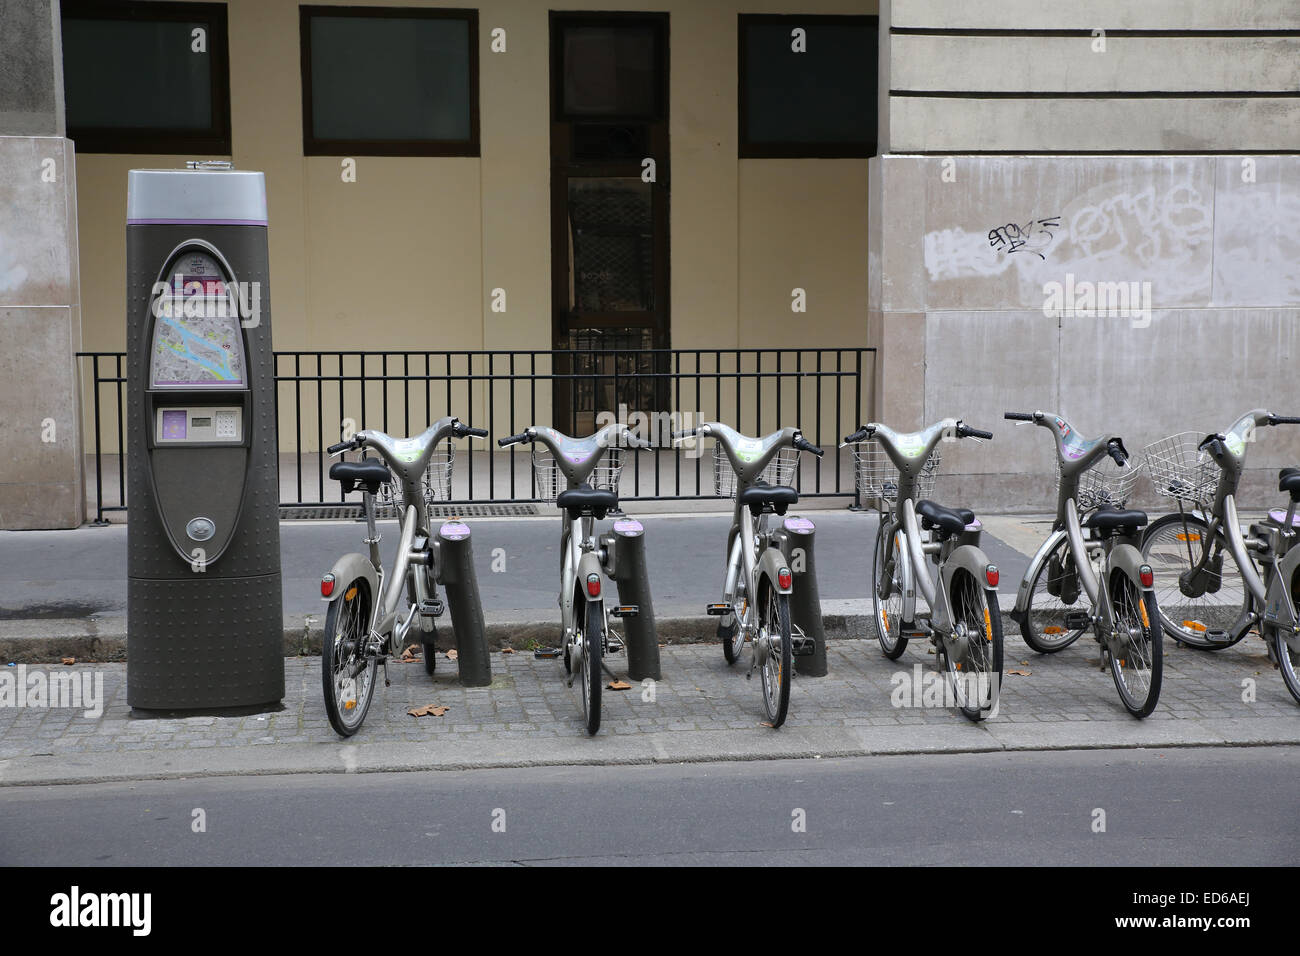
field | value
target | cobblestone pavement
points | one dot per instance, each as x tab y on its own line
701	709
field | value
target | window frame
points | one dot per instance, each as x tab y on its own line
216	140
312	146
791	149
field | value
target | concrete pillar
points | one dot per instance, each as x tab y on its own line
41	476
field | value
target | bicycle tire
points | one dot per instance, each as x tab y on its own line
776	680
889	618
1288	661
348	688
1188	618
1046	610
1140	616
589	664
972	608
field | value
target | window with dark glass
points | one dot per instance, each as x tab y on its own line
389	81
146	77
807	85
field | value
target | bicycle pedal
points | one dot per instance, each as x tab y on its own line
547	653
803	646
718	610
1216	636
625	610
432	608
1077	620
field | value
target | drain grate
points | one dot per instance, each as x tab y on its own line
354	512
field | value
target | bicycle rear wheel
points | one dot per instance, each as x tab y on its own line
590	643
1139	666
1056	589
977	680
774	627
1192	610
347	667
887	591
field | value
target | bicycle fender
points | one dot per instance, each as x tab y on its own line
967	558
1280	608
1126	558
588	564
771	562
348	568
1044	552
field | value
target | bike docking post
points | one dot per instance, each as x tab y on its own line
625	562
795	539
456	575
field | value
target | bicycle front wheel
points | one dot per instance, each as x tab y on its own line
977	680
887	590
1056	589
347	666
774	628
1139	665
1287	650
590	644
1209	609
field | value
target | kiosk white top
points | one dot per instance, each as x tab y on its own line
233	197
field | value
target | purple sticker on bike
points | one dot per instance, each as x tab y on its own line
803	525
454	531
628	526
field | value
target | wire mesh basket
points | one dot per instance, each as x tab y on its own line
436	481
549	481
877	476
779	471
1105	485
1181	470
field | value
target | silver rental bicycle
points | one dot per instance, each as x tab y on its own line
937	555
1215	583
581	476
1105	567
372	610
755	606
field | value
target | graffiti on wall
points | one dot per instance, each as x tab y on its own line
1034	236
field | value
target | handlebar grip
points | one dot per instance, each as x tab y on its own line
686	433
1019	416
341	446
512	440
1117	455
976	433
465	430
1283	420
804	444
858	435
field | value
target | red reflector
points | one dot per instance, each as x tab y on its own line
327	585
593	585
991	575
1145	575
784	578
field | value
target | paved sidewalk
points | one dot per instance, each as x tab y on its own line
701	710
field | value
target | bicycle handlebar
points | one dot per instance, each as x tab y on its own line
1020	416
686	433
343	446
465	431
1118	453
866	431
513	439
965	431
804	444
1283	420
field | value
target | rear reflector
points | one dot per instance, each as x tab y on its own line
593	585
991	575
784	578
327	585
1145	576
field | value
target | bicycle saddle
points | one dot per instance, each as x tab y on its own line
587	500
1289	480
370	472
1113	519
947	520
759	496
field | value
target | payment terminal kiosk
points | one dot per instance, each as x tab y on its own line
204	607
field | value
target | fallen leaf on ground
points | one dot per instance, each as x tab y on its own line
619	685
69	661
428	710
451	654
507	650
409	656
1019	672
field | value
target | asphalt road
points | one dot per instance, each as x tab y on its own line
1162	807
82	572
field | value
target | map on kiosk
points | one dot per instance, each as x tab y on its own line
197	339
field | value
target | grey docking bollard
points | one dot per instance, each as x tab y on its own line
626	553
456	575
796	540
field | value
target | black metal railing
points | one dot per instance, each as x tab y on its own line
321	395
